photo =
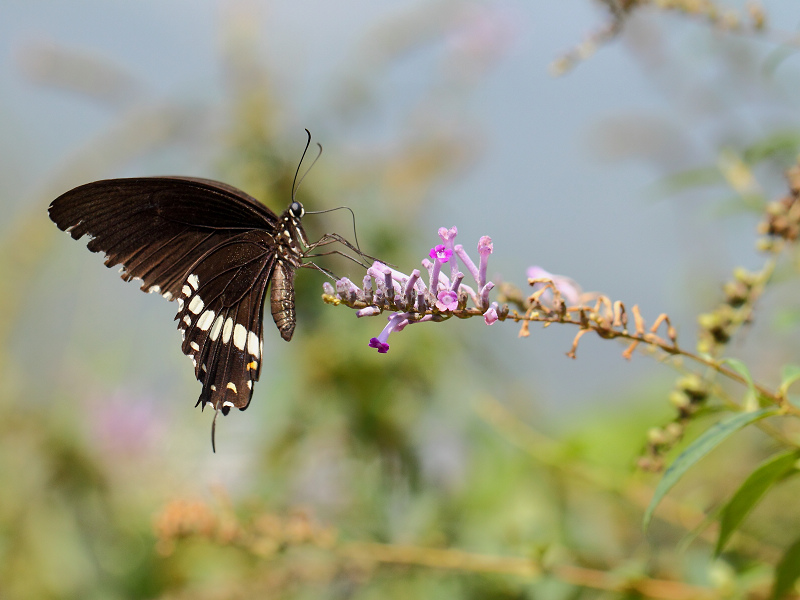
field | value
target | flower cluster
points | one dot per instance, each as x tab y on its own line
782	218
412	301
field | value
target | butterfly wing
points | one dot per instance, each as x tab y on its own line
203	243
157	227
220	315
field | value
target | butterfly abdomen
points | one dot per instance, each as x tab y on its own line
282	299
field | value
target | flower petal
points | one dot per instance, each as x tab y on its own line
447	300
490	316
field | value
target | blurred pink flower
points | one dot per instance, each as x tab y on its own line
125	423
482	34
569	288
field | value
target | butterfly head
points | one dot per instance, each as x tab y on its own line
291	238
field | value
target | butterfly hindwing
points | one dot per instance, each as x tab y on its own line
220	314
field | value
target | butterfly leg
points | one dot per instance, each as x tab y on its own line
330	274
332	238
340	253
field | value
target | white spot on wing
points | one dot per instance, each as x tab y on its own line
205	320
239	336
154	289
195	346
196	305
167	295
213	389
216	328
232	386
252	344
187	291
249	384
180	304
228	403
227	330
193	281
187	320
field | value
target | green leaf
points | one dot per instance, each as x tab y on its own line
689	179
789	374
691	536
782	144
709	440
787	317
751	491
787	572
751	401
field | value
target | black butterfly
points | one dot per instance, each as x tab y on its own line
211	248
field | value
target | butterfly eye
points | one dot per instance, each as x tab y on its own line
297	210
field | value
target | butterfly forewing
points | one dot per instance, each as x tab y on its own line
157	227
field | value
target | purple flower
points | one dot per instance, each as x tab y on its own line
441	253
485	293
485	248
382	347
396	323
383	277
490	316
447	300
448	235
462	254
568	287
412	299
345	285
346	288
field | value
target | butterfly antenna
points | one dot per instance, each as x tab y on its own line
296	183
297	172
213	431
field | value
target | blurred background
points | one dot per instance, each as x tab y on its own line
616	173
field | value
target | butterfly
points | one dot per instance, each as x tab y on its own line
212	249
